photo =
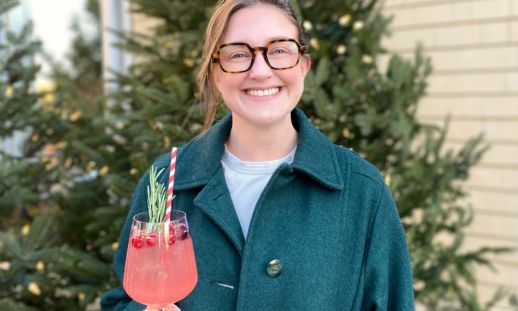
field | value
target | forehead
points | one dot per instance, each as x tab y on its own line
259	24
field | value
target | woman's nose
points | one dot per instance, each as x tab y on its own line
260	69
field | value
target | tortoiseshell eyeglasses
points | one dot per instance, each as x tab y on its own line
239	57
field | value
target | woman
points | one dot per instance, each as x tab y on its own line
281	219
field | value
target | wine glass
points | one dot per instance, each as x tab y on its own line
160	265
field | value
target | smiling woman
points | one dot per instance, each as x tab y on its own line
280	218
260	95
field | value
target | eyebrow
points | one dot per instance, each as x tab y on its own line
280	38
270	40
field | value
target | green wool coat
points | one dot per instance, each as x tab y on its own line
328	219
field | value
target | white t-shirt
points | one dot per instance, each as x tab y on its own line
246	181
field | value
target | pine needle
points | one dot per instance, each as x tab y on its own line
156	198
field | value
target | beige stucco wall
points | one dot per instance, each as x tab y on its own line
474	49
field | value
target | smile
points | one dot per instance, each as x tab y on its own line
266	92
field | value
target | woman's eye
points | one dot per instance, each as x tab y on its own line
279	51
237	56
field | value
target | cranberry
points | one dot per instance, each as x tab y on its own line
137	242
151	239
181	231
171	239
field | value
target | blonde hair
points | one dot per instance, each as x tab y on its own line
215	30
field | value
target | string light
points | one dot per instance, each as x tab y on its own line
104	170
34	288
314	43
344	20
358	25
76	115
5	265
367	59
26	229
341	49
189	62
388	179
9	91
40	266
307	26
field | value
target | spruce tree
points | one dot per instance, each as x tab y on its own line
17	103
53	256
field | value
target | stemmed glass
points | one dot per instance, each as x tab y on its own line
160	265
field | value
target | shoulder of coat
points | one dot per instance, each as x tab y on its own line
358	164
162	162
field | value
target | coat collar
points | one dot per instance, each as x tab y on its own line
316	157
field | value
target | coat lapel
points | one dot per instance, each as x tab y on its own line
215	201
199	165
316	156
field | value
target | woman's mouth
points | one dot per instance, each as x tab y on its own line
263	92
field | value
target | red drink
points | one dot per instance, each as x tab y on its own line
160	266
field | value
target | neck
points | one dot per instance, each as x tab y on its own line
256	143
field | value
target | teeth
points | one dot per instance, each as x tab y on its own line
267	92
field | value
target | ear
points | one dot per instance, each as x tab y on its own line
305	63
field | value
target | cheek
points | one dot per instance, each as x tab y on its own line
229	87
225	86
297	76
297	82
217	78
229	90
305	65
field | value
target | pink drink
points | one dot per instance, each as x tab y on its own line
160	267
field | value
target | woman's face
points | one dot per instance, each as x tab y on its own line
261	96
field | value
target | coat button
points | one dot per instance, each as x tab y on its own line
274	268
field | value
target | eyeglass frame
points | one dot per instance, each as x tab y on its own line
264	49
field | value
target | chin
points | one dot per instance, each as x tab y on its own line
266	118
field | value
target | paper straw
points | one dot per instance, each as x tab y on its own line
170	187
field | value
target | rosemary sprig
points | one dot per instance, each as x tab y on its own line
156	198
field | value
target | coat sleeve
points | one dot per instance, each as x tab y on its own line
388	273
117	299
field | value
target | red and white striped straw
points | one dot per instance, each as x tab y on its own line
170	187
